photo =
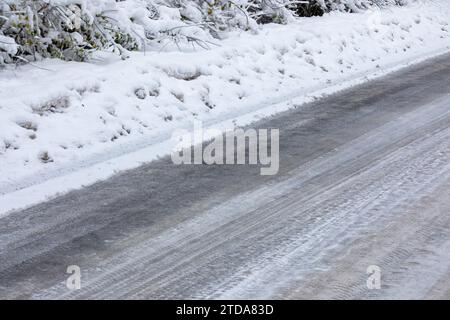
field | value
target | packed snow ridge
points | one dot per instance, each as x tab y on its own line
55	114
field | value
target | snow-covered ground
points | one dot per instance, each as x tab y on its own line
64	125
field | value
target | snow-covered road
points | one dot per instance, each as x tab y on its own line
364	180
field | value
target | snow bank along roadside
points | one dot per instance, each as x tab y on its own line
79	123
72	29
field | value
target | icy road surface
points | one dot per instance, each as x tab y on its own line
364	180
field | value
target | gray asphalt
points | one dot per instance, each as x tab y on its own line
364	180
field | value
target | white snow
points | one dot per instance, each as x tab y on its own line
65	124
8	44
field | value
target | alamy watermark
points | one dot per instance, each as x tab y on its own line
73	282
374	280
238	146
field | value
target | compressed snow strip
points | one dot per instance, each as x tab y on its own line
65	125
